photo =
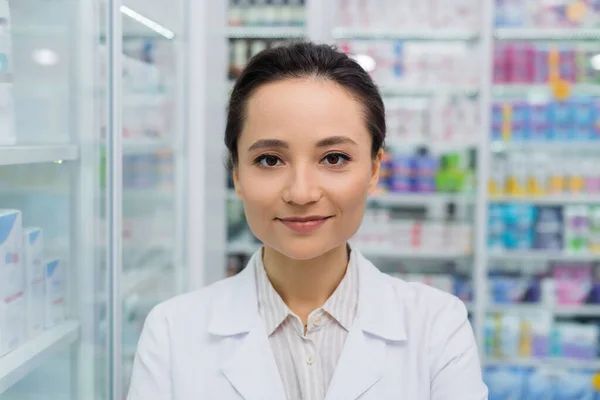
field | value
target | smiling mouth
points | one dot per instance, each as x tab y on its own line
306	224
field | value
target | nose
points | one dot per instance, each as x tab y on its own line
302	187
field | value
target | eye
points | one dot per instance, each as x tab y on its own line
268	161
336	159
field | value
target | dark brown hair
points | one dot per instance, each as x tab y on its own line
298	60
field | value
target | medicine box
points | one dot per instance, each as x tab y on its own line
12	281
56	291
35	280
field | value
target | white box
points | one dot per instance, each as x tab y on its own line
56	292
35	273
12	281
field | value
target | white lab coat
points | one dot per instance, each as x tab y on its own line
408	342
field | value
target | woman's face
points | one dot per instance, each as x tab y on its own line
305	166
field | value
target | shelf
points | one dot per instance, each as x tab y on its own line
419	199
583	310
547	34
555	200
541	255
393	253
435	145
429	91
521	90
579	147
17	364
145	145
14	155
574	311
437	35
265	32
145	100
248	248
544	362
525	308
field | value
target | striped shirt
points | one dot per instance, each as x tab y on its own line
306	362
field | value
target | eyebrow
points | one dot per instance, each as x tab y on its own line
276	143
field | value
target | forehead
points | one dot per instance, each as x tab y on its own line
304	110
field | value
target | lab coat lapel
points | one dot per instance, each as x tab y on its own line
359	367
251	368
379	322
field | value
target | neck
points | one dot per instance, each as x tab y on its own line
305	285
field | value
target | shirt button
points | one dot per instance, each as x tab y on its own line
310	360
316	320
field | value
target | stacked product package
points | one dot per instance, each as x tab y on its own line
399	63
410	14
541	175
547	14
573	229
7	124
440	119
380	230
32	290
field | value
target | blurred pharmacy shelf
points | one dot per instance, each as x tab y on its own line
437	35
13	155
265	32
552	34
544	91
541	255
525	308
20	362
544	362
429	91
551	200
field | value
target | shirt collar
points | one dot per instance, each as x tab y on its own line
341	305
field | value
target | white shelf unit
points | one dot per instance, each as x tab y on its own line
264	32
17	364
14	155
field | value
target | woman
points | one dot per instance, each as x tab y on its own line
309	317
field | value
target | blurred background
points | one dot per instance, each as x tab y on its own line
114	195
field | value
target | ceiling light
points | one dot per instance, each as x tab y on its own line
45	57
365	61
595	61
156	27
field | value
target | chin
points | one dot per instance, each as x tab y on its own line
303	250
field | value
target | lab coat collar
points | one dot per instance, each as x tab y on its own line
252	369
380	311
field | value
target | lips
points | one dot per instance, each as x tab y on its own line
304	224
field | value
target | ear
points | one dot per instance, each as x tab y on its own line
236	183
375	169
